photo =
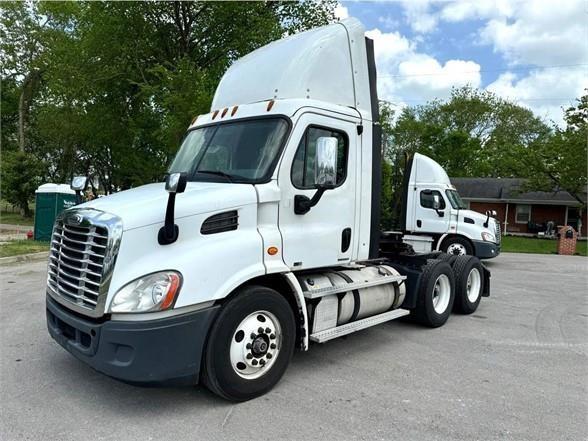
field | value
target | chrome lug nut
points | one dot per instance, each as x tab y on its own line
273	346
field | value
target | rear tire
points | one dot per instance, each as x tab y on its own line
458	246
469	284
250	344
436	294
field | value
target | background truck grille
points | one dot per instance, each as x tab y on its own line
498	233
76	262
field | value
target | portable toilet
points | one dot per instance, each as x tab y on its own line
50	200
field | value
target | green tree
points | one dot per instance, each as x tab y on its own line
560	162
21	175
474	133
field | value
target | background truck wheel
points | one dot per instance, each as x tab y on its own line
469	282
250	344
436	294
457	246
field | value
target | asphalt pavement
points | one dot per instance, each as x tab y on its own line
514	370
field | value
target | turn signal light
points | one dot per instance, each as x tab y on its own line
272	251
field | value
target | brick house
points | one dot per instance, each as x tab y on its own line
521	212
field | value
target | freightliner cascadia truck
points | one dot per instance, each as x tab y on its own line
263	238
434	217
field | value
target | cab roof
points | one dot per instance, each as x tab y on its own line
326	64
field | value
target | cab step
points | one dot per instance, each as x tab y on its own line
321	292
339	331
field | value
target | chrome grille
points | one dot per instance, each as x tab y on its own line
84	246
76	261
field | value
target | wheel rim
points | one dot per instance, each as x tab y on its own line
441	294
255	345
457	249
474	284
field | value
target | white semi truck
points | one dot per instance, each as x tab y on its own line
433	216
267	238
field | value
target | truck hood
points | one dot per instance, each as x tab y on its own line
146	205
479	218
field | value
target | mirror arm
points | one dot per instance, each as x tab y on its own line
170	231
302	204
439	212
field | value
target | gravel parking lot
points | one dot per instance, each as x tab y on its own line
515	370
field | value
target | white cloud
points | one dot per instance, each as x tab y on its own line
542	33
406	76
538	33
341	11
544	91
419	17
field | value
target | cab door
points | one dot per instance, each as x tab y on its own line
325	235
432	213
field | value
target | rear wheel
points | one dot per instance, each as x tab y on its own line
250	344
469	283
458	246
436	294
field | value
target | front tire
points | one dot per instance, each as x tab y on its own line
436	294
457	246
469	284
250	344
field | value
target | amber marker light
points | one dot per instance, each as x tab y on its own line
234	110
272	251
270	105
225	110
214	114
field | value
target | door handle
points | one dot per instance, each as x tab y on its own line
345	239
419	223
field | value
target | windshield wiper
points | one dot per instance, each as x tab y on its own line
217	173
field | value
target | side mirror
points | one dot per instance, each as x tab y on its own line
325	171
79	185
176	182
436	202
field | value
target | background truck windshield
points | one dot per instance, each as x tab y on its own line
241	151
455	200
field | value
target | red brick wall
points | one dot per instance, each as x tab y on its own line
539	214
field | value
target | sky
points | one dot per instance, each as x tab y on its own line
532	52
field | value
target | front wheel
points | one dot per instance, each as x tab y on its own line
457	246
250	344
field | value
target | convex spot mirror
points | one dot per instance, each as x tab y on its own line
176	182
79	183
325	171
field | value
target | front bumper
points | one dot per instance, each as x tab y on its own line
486	250
167	350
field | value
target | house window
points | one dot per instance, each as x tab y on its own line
523	214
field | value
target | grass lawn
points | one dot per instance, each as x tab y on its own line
16	247
516	244
6	217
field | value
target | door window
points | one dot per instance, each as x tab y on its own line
303	166
427	198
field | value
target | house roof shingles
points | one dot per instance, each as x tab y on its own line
509	190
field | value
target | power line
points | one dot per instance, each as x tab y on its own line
516	69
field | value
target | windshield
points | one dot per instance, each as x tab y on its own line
455	200
240	151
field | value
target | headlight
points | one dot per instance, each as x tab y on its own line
153	292
488	237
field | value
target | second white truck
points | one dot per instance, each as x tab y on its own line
264	238
434	217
